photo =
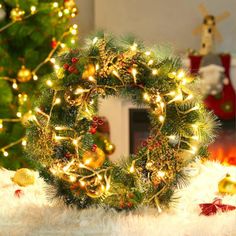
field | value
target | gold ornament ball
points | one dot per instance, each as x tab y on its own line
109	147
94	159
227	185
24	75
89	71
16	14
24	177
69	4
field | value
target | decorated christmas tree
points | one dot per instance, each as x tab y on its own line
31	32
61	133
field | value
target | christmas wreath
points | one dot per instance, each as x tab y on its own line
62	129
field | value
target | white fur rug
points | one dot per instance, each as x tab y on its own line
34	214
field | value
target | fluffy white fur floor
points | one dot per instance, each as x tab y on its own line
34	214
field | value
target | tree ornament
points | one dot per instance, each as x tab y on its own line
24	75
94	159
89	71
24	177
17	14
74	95
109	147
227	185
69	4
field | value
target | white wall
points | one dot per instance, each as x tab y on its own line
165	20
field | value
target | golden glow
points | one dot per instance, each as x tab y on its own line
95	40
18	114
150	62
24	142
161	118
49	83
33	9
5	153
75	142
134	47
72	41
146	97
161	174
57	101
35	77
154	71
1	124
14	85
60	14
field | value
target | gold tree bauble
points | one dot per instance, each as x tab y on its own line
69	4
24	75
89	71
17	14
24	177
94	159
74	95
109	147
227	185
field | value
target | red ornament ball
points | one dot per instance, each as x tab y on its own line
74	60
66	66
92	130
53	43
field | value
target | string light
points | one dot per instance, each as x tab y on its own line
5	153
147	53
154	71
132	168
18	114
150	62
49	83
146	97
134	47
33	9
95	40
35	77
55	4
14	85
161	174
24	142
57	101
161	118
1	124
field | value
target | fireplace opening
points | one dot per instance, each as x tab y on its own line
139	127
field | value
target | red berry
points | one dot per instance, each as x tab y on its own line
92	131
71	69
129	204
18	193
68	155
95	118
144	143
74	60
100	122
94	147
66	66
94	125
53	43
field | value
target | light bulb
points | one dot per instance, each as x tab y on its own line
161	118
5	153
18	114
57	101
49	83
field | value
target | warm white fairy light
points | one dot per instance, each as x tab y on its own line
189	97
14	85
181	74
72	41
195	137
97	67
161	118
193	150
114	72
5	153
132	168
18	114
146	97
172	137
1	124
53	60
55	4
49	83
82	183
57	101
62	45
161	173
24	142
134	72
35	77
154	71
66	11
60	13
95	40
91	78
147	53
134	47
56	67
33	9
150	62
75	142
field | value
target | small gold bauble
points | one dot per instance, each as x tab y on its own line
24	75
74	95
109	147
24	177
16	14
89	71
227	185
94	159
69	4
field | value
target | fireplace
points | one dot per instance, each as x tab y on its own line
139	126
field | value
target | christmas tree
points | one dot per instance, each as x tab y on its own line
61	132
31	32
